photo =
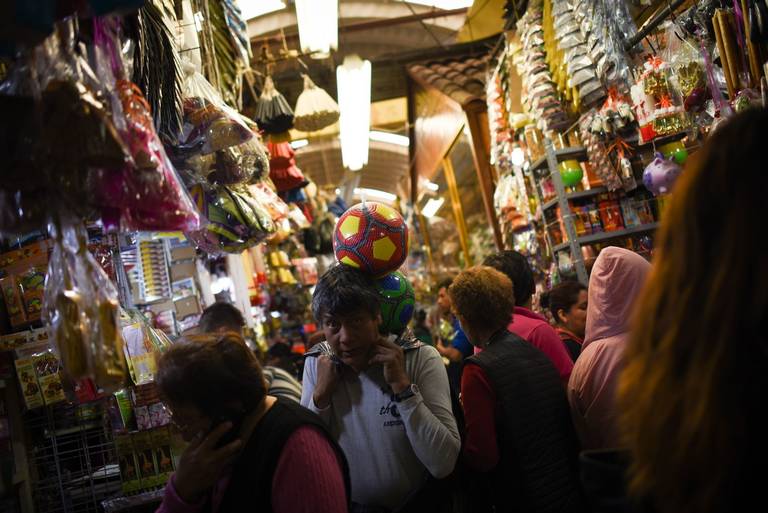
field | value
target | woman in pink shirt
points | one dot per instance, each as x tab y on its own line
248	451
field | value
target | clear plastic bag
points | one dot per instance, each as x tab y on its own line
209	124
236	219
81	311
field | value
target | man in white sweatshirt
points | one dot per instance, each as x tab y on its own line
386	401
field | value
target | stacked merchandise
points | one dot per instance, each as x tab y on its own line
539	94
574	72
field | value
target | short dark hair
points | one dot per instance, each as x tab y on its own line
208	371
483	297
344	290
444	284
221	315
517	269
562	297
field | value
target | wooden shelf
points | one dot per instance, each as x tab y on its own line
598	237
576	195
578	153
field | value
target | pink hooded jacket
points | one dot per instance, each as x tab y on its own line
614	286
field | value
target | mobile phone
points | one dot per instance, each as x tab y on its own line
230	436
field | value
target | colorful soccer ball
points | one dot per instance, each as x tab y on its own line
397	302
371	237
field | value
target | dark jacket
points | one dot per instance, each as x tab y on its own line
538	469
251	481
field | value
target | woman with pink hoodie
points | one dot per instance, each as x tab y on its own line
615	284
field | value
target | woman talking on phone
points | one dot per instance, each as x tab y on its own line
247	450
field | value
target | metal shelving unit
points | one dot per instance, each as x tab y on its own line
616	234
573	242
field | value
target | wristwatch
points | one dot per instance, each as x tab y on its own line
407	393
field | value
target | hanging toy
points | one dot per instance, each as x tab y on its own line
660	175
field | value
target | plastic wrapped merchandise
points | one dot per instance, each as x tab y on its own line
81	311
315	109
236	219
209	124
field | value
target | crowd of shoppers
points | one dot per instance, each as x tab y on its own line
655	371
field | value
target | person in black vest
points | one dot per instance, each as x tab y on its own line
518	428
246	447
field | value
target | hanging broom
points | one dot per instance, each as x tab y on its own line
273	114
315	109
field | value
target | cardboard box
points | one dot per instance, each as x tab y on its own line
187	306
182	270
183	253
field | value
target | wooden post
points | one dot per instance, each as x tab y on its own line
477	120
458	213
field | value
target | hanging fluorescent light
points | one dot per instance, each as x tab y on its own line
442	4
518	157
432	206
256	8
318	26
388	137
432	186
353	80
374	194
299	143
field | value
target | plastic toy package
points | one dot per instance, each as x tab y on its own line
237	220
81	311
50	165
216	142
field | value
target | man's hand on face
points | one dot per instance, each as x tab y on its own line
328	374
391	356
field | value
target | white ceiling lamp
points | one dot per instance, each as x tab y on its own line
353	80
374	194
389	137
432	186
432	206
256	8
518	157
443	4
318	26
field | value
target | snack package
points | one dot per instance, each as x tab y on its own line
30	388
129	473
47	369
13	303
161	445
142	444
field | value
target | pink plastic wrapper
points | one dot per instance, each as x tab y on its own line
148	194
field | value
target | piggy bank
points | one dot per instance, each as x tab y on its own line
660	175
